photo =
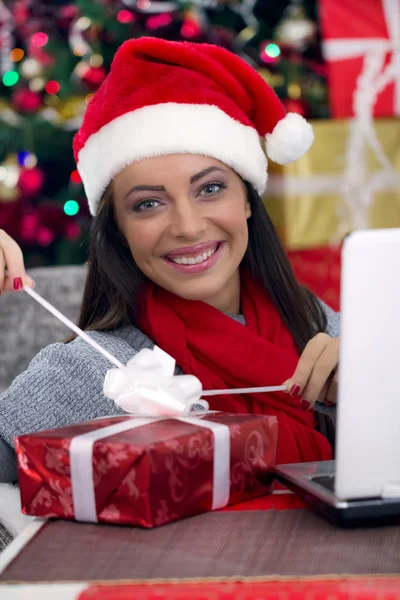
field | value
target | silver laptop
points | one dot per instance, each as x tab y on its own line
363	483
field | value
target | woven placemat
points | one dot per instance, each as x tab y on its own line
287	543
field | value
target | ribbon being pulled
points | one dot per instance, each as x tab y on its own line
147	386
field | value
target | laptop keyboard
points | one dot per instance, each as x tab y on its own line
326	481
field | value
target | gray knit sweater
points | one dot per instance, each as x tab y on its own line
64	384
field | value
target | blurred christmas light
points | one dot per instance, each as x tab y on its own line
29	225
80	49
71	208
96	60
17	54
30	181
31	68
21	156
81	68
36	84
83	23
73	231
44	236
12	175
125	16
94	76
246	34
3	173
39	39
75	177
143	4
270	53
158	21
52	87
190	28
51	115
294	91
10	78
26	159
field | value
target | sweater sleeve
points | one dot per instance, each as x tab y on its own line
62	385
332	329
332	320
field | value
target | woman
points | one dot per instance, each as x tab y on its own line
182	252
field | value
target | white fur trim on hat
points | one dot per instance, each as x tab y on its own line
291	138
170	128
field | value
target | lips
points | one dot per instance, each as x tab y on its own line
194	258
189	251
203	258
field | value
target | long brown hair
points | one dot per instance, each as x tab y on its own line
114	282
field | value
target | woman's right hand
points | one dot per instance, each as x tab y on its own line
12	269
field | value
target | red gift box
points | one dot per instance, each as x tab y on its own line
146	471
361	42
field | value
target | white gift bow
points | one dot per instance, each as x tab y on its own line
148	386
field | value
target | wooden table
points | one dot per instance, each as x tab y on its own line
270	547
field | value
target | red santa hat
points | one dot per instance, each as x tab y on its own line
164	97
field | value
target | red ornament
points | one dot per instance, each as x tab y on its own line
94	76
52	87
30	181
26	100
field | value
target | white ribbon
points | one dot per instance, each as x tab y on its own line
148	387
81	463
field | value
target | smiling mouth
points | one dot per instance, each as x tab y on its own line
194	259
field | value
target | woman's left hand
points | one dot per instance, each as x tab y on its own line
315	378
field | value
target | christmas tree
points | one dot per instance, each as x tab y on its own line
55	54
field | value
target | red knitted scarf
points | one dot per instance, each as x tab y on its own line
223	353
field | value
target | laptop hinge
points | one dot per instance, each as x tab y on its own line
391	490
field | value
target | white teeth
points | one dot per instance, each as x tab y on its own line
184	260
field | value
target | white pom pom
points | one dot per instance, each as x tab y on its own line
290	139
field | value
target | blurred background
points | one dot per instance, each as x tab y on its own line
333	61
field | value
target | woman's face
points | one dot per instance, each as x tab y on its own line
184	218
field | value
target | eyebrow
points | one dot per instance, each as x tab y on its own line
161	188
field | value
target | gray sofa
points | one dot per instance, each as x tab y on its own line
26	327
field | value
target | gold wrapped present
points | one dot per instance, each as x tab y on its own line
348	180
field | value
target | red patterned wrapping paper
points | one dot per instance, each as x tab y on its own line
150	475
361	41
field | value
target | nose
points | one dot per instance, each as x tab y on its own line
187	220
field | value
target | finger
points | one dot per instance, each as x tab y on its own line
321	372
313	350
331	394
14	261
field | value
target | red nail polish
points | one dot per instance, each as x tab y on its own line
329	403
294	390
305	405
17	283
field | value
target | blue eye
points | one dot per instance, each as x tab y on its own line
211	189
145	205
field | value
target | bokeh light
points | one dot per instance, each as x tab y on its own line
10	78
17	54
39	39
71	208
